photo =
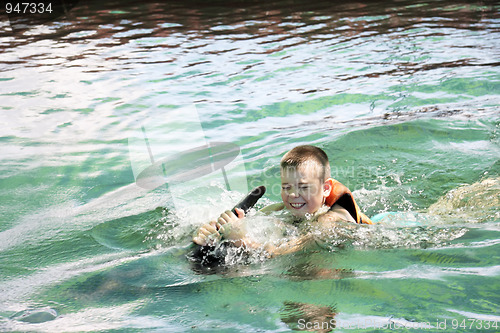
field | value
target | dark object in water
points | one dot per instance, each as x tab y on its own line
207	256
210	255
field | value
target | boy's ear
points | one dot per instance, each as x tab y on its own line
327	187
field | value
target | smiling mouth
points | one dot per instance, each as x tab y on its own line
297	205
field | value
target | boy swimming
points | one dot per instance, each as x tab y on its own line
307	192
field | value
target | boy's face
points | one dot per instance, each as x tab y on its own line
302	190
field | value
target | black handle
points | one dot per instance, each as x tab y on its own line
212	256
250	200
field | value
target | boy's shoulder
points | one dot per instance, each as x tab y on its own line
335	214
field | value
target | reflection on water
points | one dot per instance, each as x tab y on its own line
308	317
251	55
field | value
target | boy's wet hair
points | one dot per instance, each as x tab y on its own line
304	155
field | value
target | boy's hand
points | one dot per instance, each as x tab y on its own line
207	234
230	228
229	217
213	231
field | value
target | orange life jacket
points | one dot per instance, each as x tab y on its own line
341	196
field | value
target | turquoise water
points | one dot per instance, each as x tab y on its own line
402	95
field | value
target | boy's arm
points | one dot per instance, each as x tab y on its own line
273	207
291	246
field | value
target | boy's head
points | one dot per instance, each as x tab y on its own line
305	179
